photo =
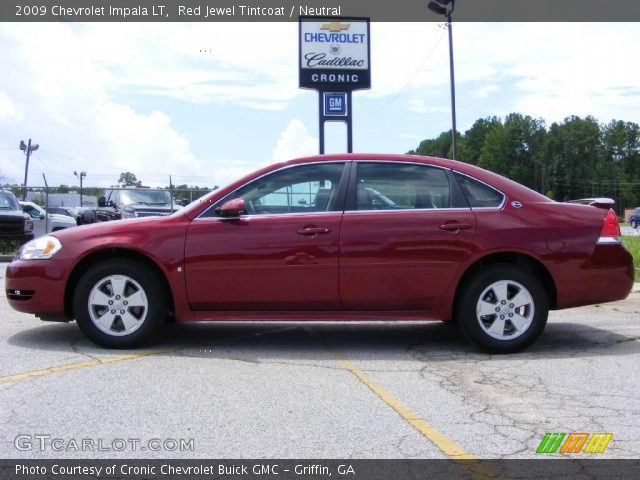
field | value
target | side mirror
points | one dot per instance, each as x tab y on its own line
102	202
41	216
232	208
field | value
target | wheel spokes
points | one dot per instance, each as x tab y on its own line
505	309
118	305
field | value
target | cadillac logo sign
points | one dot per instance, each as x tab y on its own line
334	53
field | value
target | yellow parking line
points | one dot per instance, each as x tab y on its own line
447	446
467	462
90	363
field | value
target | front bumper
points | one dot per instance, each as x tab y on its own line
36	286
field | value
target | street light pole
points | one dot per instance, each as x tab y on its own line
27	149
454	139
439	7
80	176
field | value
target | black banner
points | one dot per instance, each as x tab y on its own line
260	469
291	10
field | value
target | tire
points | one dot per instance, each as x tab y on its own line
634	224
488	317
138	304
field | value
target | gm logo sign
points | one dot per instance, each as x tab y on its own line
335	104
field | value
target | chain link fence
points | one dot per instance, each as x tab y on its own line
96	204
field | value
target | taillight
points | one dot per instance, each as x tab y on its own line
610	232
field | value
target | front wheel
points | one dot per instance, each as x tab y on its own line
119	303
502	309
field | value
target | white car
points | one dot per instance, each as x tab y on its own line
43	223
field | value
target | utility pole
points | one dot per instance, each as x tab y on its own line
80	175
445	7
27	149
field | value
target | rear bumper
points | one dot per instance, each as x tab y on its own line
606	276
36	286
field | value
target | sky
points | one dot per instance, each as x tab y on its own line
206	103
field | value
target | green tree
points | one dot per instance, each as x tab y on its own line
471	143
129	179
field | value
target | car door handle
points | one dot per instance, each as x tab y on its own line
455	226
313	231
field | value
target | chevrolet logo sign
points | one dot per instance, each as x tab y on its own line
335	26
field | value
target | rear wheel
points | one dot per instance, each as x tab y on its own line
120	304
502	309
634	224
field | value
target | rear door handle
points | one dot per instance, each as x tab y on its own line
313	231
455	226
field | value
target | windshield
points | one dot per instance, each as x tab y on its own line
8	201
146	197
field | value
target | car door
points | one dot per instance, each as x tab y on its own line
405	232
281	255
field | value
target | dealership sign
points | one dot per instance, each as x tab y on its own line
334	53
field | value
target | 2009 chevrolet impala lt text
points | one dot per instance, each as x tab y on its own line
336	237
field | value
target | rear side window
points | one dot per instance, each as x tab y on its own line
397	186
478	194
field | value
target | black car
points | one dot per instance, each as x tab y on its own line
15	226
84	215
132	202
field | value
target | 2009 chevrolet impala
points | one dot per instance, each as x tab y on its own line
340	237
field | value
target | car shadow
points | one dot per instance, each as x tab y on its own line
258	342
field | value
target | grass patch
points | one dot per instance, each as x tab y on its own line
633	245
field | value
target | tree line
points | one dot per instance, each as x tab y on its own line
576	158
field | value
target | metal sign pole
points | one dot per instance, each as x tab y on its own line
321	122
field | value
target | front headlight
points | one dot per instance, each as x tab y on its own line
40	249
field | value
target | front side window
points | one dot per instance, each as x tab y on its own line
301	189
397	186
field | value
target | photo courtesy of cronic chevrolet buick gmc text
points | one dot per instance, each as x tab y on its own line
336	237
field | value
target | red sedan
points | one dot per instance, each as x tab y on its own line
339	237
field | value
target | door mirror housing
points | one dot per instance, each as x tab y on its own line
102	202
232	208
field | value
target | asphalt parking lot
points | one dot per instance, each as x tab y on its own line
366	390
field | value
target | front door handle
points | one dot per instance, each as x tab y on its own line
455	226
313	231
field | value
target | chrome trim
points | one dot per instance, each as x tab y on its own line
397	210
271	215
